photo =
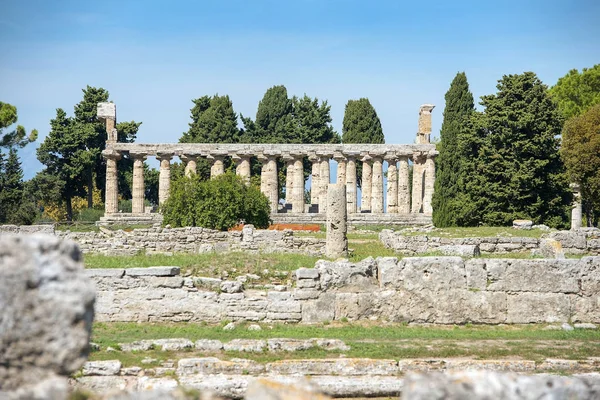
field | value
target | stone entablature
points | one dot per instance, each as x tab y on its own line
441	290
372	156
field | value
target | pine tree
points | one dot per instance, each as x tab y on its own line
512	169
17	137
274	118
312	121
459	108
361	123
576	92
14	208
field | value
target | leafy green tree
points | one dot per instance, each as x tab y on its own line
213	121
511	167
576	92
17	137
218	203
13	207
580	151
459	109
312	121
274	118
361	123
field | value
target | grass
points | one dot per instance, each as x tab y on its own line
481	231
395	341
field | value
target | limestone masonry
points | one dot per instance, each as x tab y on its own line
442	290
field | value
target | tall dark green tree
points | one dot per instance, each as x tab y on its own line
17	137
213	121
14	207
447	195
512	167
274	118
312	121
361	123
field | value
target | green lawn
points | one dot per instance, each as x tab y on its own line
393	341
481	231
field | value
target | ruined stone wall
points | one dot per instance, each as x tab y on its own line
584	241
192	240
443	290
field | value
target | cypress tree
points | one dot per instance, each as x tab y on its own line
513	169
459	108
361	123
14	208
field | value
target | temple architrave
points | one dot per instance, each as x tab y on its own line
402	202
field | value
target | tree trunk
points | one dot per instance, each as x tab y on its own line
69	209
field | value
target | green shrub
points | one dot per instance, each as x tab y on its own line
218	203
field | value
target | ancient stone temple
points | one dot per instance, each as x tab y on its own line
393	201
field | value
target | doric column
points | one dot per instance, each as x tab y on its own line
403	186
315	182
111	201
377	186
164	177
367	181
576	213
325	178
417	186
269	180
392	184
298	186
341	167
351	184
424	124
242	167
289	178
217	167
190	163
429	184
137	191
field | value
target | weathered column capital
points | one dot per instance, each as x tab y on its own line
164	155
352	155
390	157
338	156
263	157
419	157
287	157
366	157
313	157
111	154
138	155
186	157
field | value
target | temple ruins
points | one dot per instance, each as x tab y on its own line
400	203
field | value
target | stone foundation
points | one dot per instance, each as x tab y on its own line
440	290
584	241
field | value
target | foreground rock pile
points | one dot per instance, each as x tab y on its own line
46	313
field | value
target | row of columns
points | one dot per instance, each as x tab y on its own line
399	198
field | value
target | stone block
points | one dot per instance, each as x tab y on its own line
522	224
338	366
285	307
550	248
527	308
107	111
208	345
307	284
104	368
289	344
175	344
47	308
476	274
284	316
513	275
214	366
330	344
261	389
587	309
590	276
480	385
152	271
431	273
343	275
247	345
232	287
307	273
490	365
460	250
105	272
306	294
279	296
570	239
320	310
140	345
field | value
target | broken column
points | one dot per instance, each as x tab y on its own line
424	133
576	213
47	305
337	242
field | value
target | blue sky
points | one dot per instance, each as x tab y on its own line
154	57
